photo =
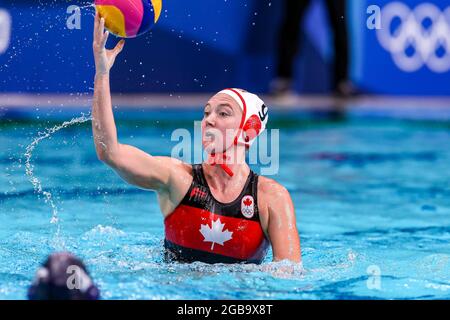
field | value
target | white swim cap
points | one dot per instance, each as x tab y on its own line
254	115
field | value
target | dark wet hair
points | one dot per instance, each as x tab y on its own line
63	277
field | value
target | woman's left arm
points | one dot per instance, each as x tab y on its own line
281	227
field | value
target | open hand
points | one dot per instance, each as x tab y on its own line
104	58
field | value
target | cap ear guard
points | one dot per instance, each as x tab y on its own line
255	123
254	115
251	129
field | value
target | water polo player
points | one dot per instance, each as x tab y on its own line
218	211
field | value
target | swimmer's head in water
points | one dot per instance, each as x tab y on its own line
63	277
232	117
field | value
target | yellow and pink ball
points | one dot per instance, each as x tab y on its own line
129	18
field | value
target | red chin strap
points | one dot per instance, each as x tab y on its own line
223	165
214	156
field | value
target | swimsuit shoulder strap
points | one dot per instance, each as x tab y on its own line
253	184
198	176
252	189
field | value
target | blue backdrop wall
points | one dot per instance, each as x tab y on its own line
205	45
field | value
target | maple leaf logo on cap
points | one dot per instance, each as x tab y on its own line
214	233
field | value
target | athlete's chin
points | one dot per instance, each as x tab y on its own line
209	146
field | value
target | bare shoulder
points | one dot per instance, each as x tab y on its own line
269	189
271	194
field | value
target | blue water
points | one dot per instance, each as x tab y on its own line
372	196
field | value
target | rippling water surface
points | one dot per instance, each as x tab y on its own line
372	199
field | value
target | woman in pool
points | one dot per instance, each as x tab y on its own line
216	212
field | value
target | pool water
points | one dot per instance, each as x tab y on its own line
372	199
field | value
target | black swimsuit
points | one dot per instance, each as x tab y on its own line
204	229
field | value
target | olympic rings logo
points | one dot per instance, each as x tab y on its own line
422	36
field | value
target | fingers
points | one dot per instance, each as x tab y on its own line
98	29
119	46
101	28
104	39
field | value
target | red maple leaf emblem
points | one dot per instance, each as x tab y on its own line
247	202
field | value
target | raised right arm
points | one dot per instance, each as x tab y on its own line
132	164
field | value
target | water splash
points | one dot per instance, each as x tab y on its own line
29	167
87	5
